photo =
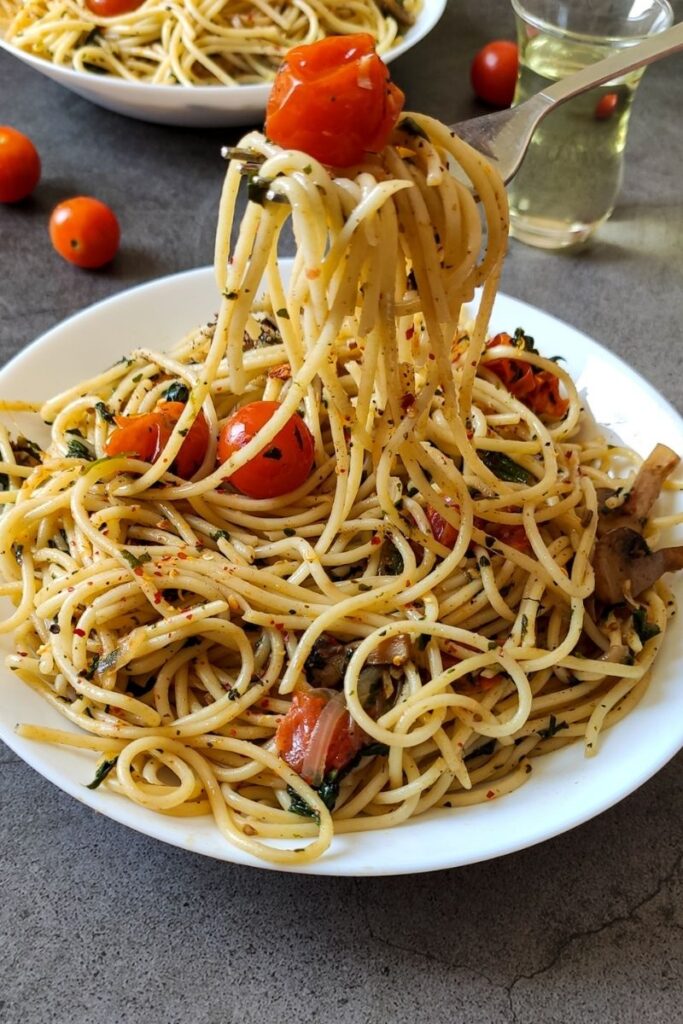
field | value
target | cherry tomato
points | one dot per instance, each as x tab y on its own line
538	389
606	106
19	165
145	436
113	8
442	530
85	232
293	736
282	466
494	73
333	100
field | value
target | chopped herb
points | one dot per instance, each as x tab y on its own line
411	127
220	535
109	660
523	627
289	532
485	750
140	689
184	433
505	468
645	630
177	392
308	169
282	314
75	431
135	561
328	790
103	770
102	410
92	668
553	727
364	587
137	378
525	341
77	450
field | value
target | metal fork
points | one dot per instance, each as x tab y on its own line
504	137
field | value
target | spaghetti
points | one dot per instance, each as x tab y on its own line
432	579
208	42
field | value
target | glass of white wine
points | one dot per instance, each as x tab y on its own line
570	178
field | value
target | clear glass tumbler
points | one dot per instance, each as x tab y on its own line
571	175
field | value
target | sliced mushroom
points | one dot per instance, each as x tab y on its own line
636	505
659	464
327	663
624	564
396	650
396	10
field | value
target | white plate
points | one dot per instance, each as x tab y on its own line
565	788
201	106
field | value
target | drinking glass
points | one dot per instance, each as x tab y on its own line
568	183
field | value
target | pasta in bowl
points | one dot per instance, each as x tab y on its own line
342	557
136	69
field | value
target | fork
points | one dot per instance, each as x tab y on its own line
504	137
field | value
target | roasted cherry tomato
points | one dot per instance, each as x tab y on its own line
295	736
494	73
85	232
113	8
538	389
442	530
606	106
285	462
145	436
19	165
333	100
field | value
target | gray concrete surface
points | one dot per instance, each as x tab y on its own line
99	925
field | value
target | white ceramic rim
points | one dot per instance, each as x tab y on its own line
565	788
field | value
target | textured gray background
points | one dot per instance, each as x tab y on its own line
99	924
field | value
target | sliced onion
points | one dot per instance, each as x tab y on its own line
313	768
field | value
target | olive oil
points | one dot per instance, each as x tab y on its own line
571	175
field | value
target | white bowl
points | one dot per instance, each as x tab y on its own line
200	106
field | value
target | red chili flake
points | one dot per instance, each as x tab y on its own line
137	571
181	554
79	632
409	333
69	590
376	541
432	356
265	703
490	795
158	597
407	402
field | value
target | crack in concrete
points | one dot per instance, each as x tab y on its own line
588	932
431	957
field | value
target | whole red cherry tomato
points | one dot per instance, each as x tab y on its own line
145	436
113	8
285	462
333	100
85	232
494	73
19	165
606	106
